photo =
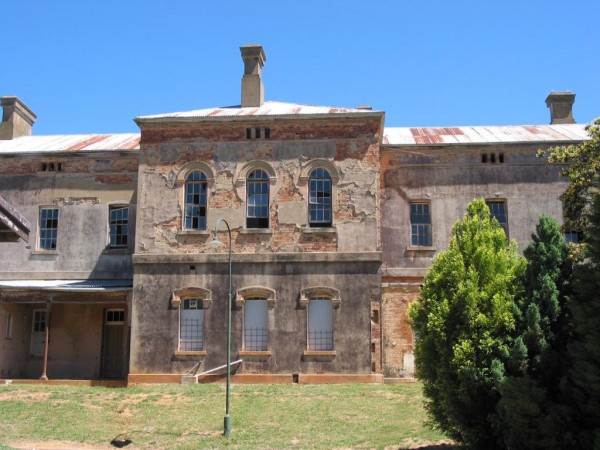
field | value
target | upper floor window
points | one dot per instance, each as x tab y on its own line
48	228
420	224
257	191
195	201
498	210
119	225
574	236
319	209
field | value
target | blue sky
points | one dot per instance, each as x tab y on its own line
92	66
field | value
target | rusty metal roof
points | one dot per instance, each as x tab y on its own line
484	134
71	142
267	109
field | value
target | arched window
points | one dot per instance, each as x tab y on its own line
195	201
256	324
319	204
257	191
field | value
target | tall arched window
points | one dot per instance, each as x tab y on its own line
195	201
257	191
319	207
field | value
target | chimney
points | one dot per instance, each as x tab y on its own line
252	88
561	107
17	118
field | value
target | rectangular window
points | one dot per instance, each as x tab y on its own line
48	228
498	210
420	225
9	326
119	225
191	325
256	328
320	324
574	236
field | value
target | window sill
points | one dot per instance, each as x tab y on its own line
319	353
193	232
421	249
45	252
117	251
190	353
319	230
256	231
258	353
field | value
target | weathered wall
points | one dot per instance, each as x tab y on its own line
155	322
350	145
83	191
13	348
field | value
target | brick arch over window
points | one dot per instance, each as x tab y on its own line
319	291
251	166
194	167
319	164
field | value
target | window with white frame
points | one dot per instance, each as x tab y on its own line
9	326
498	210
48	228
118	217
256	324
191	325
257	191
195	201
320	324
320	206
420	224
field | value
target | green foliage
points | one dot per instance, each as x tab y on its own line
583	164
530	410
583	387
464	320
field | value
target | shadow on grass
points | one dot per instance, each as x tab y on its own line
432	447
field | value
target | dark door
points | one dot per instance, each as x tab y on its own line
112	343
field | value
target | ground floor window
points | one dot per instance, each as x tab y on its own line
256	327
320	324
38	332
9	326
191	325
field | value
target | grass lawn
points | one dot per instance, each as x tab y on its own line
191	417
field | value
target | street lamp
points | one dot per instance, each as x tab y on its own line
216	241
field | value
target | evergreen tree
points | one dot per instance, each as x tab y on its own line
530	411
583	384
464	320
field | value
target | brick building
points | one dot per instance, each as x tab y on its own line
333	221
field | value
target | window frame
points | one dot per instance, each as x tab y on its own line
8	331
263	341
196	302
504	203
320	204
202	204
44	227
314	343
420	229
118	222
259	220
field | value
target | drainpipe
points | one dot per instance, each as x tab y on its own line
44	377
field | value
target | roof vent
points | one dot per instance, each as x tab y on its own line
17	118
252	87
561	107
365	107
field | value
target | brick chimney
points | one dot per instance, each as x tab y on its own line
252	88
561	107
17	118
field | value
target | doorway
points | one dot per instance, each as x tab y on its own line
112	343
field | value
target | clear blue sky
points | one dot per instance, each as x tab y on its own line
91	66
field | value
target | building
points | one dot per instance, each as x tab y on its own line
107	271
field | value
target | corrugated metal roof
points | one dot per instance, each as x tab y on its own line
71	142
68	285
484	134
267	109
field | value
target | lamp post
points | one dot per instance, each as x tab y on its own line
216	241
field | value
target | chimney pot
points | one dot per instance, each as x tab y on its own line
252	87
561	107
17	118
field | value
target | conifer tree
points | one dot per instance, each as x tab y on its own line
464	321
